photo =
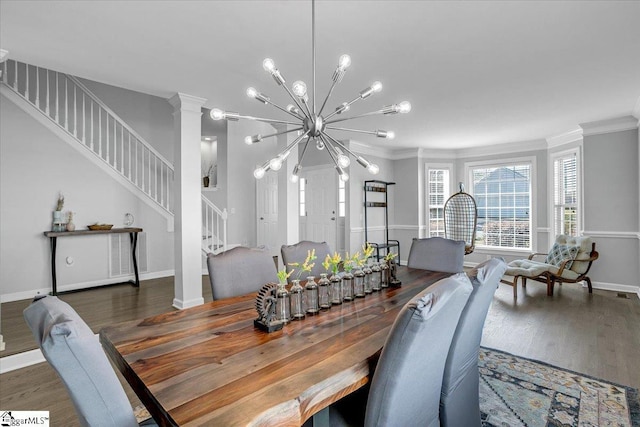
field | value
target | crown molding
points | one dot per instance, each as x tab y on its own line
617	124
636	109
406	153
565	138
507	148
362	148
3	55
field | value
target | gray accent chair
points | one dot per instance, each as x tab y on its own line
74	352
459	399
298	253
437	254
239	271
405	388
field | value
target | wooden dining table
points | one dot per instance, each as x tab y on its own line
208	365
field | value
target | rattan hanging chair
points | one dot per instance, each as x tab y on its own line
461	218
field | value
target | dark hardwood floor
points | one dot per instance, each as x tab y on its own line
597	335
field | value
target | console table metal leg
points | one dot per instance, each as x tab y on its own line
134	242
53	241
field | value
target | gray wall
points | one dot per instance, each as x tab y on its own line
611	193
35	166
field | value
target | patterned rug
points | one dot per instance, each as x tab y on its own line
515	391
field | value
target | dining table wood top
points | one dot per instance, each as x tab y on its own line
208	365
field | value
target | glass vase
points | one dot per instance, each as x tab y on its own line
324	292
283	304
336	289
358	283
347	287
311	291
297	300
367	279
376	277
384	267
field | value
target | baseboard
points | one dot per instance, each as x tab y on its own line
20	360
17	296
616	287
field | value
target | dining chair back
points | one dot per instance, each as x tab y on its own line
298	253
74	352
459	399
405	389
437	254
239	271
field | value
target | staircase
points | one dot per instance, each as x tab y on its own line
80	118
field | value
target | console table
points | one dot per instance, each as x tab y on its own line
53	238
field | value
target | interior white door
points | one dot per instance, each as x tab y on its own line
321	206
267	211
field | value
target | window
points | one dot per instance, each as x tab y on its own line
341	198
503	197
302	185
565	194
437	194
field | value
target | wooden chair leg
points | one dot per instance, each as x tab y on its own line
550	283
524	282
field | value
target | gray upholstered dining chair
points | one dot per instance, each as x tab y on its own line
239	271
437	254
298	253
405	388
459	399
74	352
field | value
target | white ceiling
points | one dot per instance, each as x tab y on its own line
476	72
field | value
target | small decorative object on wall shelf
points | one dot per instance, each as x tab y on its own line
100	226
128	220
70	225
314	126
59	218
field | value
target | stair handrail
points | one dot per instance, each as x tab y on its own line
118	118
221	213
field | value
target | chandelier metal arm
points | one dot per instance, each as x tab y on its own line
293	143
370	132
372	113
282	109
333	85
333	157
295	99
361	160
281	133
304	150
262	119
304	102
348	104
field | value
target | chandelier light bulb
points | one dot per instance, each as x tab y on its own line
259	172
319	144
269	65
376	87
344	177
299	88
217	114
343	107
404	107
373	169
390	134
344	161
247	140
275	163
294	178
344	62
252	92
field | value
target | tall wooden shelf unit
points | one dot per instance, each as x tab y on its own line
375	186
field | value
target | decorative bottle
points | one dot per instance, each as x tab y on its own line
367	279
384	266
347	286
311	290
297	300
336	289
358	283
283	304
376	277
324	292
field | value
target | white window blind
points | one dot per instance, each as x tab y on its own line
503	196
438	193
565	195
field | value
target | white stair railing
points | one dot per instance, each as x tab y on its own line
214	227
70	105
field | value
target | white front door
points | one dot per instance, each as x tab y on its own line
321	204
267	211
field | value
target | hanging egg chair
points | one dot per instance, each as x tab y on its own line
460	219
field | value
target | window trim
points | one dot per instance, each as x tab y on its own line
533	197
427	168
553	156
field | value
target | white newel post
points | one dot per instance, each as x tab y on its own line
188	211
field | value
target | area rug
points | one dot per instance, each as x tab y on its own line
515	391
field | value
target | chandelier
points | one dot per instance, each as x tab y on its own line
310	123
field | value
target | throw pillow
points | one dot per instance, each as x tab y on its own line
559	253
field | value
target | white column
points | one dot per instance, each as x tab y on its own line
188	209
288	196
